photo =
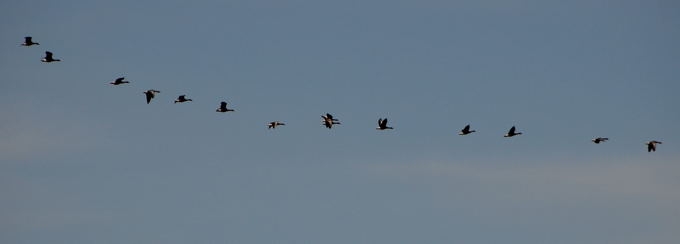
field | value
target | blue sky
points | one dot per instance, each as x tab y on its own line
82	161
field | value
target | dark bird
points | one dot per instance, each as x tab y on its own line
48	58
382	124
150	94
651	146
182	99
223	107
119	81
274	124
512	132
28	41
329	121
466	131
599	139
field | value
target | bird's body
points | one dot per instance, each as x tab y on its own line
48	58
28	41
182	98
651	146
150	94
512	132
599	139
223	108
382	124
329	121
274	124
466	131
119	81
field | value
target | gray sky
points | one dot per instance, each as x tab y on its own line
82	161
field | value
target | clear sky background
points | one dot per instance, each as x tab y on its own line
82	161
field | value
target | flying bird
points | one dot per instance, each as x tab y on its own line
182	98
382	124
274	124
599	139
223	107
48	58
329	121
150	94
119	81
651	146
512	132
466	131
28	41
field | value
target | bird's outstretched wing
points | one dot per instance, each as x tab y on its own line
149	96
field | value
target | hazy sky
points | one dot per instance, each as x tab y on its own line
82	161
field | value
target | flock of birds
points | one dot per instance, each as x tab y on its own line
327	120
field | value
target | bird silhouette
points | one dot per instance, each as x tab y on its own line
150	94
28	41
182	98
382	124
512	133
274	124
119	81
466	131
223	108
599	139
329	121
651	146
48	58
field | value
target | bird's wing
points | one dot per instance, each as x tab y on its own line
48	55
120	79
28	39
149	95
512	130
467	128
